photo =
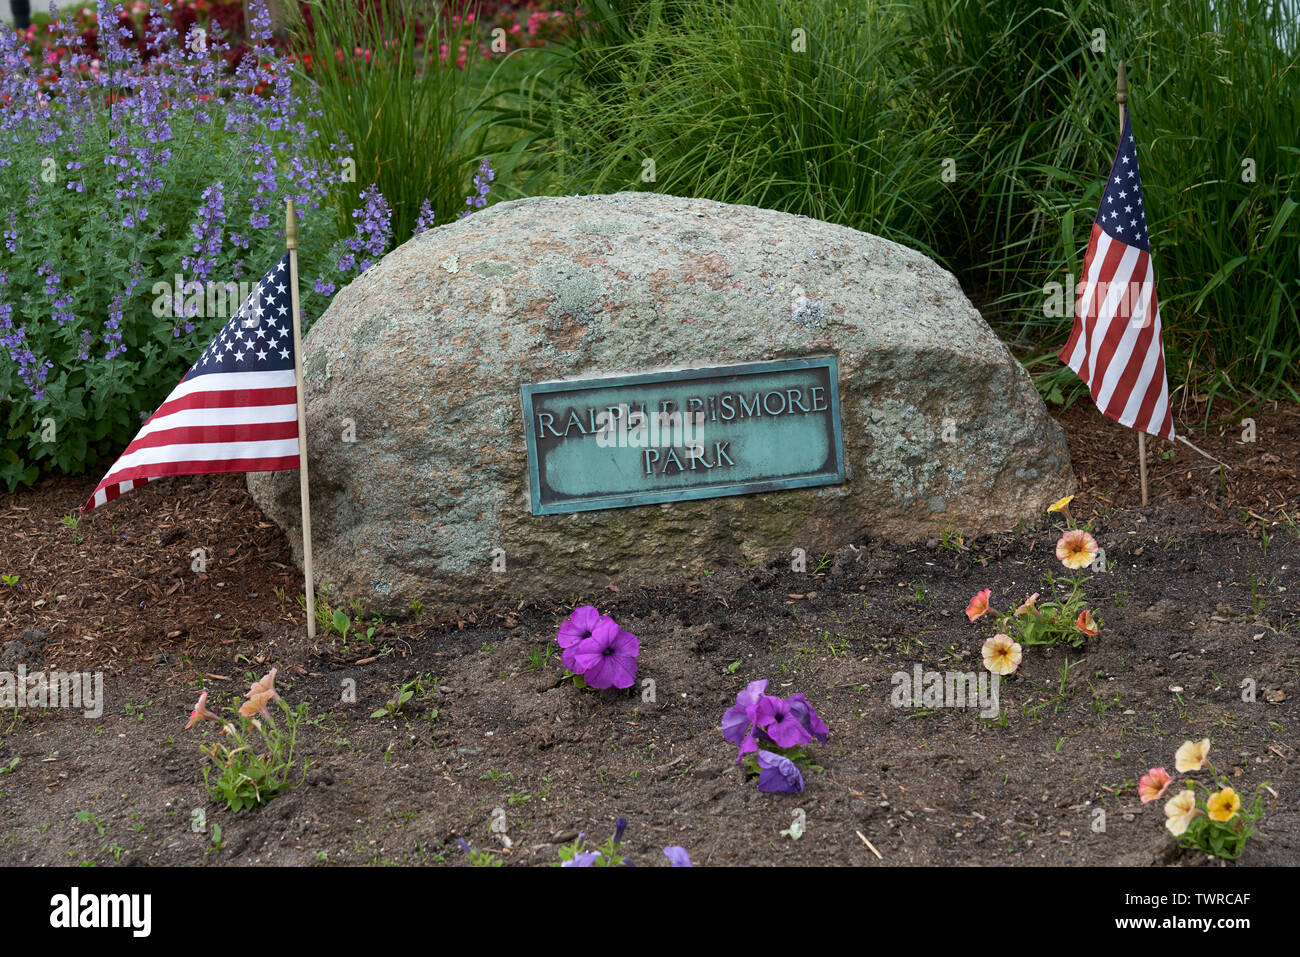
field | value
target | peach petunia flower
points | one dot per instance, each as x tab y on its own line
1191	756
1061	505
979	605
1001	655
1179	812
267	683
1153	785
1076	549
256	704
200	712
1086	623
1224	805
1028	606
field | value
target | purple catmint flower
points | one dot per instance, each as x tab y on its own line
207	232
778	722
52	279
803	713
738	721
374	230
482	185
132	128
113	337
778	774
372	237
424	221
31	369
678	856
608	658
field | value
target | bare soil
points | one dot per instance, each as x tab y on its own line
1200	596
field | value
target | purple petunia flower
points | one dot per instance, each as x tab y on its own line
775	716
576	628
803	713
608	658
619	827
678	856
582	860
778	774
738	721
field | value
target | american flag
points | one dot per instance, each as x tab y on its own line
1116	347
236	409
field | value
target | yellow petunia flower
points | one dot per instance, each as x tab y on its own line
1224	805
1061	504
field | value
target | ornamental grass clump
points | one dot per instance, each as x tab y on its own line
1206	816
772	734
249	775
595	651
412	117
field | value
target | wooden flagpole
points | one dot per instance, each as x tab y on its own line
1121	97
291	241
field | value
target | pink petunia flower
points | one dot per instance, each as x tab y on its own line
1153	785
979	605
201	712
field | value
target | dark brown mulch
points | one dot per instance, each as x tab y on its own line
120	583
1261	482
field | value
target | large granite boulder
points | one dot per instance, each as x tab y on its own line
420	486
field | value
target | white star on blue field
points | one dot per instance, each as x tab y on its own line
257	338
1123	213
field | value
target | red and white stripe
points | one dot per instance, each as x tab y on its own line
222	422
1116	346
